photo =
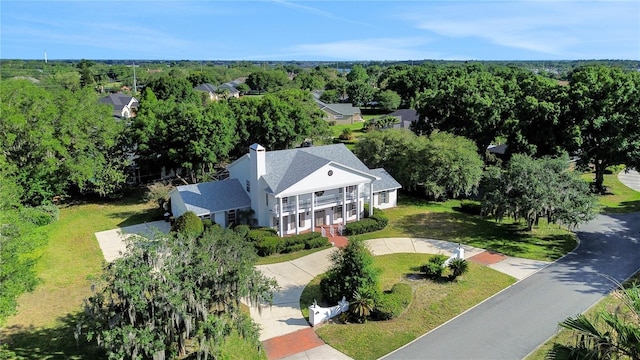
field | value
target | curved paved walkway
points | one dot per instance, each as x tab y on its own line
283	324
630	178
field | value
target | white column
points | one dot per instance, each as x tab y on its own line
280	217
297	216
344	205
371	198
313	212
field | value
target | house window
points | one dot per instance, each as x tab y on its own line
266	199
292	222
383	197
352	189
338	213
248	186
301	220
339	116
231	217
352	209
285	201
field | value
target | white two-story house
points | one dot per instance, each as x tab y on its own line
292	191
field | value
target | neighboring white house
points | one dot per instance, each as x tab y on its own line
124	106
291	190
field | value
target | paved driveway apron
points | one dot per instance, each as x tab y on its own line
513	323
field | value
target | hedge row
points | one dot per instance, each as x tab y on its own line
375	222
269	245
391	304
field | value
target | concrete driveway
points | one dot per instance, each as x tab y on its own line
112	242
514	322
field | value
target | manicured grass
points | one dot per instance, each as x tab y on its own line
619	198
442	221
433	304
43	327
356	129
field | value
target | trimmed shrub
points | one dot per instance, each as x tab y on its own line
377	221
242	230
434	268
269	245
316	242
188	224
293	248
257	235
394	302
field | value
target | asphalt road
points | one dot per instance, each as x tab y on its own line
516	321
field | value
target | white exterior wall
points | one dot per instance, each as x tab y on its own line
320	180
392	200
177	205
220	218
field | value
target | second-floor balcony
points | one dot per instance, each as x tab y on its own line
319	202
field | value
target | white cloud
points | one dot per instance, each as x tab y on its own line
553	28
367	49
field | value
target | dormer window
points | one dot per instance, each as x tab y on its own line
248	186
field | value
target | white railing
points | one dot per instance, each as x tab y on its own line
340	229
332	231
323	232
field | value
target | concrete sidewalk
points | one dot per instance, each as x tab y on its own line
631	179
285	316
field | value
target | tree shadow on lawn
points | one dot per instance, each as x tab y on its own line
506	238
136	217
49	343
625	207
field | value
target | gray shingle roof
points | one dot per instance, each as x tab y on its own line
343	109
206	87
405	114
118	101
386	182
287	167
216	196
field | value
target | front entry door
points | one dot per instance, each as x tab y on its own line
319	215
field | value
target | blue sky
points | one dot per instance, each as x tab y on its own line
320	30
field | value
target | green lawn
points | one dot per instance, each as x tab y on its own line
433	304
42	329
442	221
619	198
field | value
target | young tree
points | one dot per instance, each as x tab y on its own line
168	291
352	271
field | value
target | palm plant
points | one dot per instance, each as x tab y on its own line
458	267
362	305
610	335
